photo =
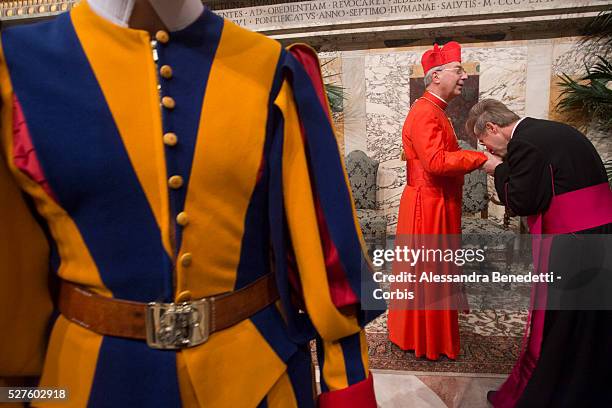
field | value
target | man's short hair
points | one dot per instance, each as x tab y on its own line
428	78
488	110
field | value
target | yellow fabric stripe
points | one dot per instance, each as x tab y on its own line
77	264
227	158
282	395
71	362
236	367
119	71
25	304
189	398
301	216
334	370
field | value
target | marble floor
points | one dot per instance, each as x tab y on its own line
433	390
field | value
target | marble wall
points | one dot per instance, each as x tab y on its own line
569	59
387	97
521	74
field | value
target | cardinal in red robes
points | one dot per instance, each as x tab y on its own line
431	201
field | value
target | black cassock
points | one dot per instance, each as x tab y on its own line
574	368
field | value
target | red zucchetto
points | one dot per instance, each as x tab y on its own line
451	52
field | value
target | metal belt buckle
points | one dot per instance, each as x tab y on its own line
172	326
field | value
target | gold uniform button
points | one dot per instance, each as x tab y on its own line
175	182
165	71
184	296
170	139
186	259
162	36
168	102
182	219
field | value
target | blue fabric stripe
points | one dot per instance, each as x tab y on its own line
263	403
84	159
299	326
299	369
351	350
190	53
270	325
255	249
130	374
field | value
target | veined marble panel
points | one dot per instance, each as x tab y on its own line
503	74
353	79
387	77
570	57
391	182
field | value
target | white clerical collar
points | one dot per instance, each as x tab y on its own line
514	128
175	14
438	97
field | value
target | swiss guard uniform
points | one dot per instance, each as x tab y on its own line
431	204
200	244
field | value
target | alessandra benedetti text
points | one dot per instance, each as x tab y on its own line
473	277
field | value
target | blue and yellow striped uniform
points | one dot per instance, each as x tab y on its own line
106	188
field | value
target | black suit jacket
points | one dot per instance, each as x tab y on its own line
545	158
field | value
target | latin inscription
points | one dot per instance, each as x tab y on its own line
322	12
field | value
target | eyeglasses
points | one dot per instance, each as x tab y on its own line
458	70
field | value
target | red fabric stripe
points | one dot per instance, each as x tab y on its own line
310	61
340	290
357	395
24	155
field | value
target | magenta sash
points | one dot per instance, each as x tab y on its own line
569	212
575	211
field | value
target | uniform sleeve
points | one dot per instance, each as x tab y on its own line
428	142
25	305
323	237
524	181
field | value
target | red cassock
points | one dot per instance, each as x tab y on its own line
430	204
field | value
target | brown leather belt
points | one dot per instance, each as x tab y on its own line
165	325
